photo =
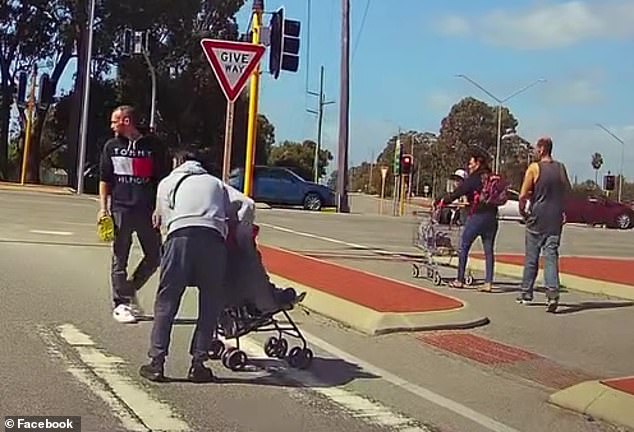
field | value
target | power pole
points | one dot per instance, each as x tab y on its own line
344	112
320	119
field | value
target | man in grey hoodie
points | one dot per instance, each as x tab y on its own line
193	208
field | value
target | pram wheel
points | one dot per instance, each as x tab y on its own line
415	271
216	350
437	279
275	347
234	359
300	358
469	280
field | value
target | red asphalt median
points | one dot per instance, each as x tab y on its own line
625	385
375	292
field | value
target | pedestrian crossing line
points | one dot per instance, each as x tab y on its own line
84	376
360	407
137	409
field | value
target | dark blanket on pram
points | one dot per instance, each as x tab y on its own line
248	283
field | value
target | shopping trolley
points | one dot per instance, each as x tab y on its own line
438	235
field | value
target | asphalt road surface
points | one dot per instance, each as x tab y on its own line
63	354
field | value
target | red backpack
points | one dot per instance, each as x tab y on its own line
494	191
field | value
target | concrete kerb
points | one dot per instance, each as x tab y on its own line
16	187
571	282
375	323
597	400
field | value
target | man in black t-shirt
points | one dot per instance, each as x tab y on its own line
131	167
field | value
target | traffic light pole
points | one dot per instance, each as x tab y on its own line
30	108
258	7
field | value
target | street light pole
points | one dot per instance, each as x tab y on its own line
153	78
622	157
500	102
85	103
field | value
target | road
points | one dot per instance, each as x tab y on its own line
579	240
63	354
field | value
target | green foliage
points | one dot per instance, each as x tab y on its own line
300	157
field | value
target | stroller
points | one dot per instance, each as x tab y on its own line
252	306
438	236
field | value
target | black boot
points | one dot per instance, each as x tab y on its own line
199	373
153	371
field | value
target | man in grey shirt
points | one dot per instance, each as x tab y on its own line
547	186
194	209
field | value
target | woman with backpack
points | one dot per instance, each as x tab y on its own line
484	192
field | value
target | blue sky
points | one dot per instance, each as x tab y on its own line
406	56
407	53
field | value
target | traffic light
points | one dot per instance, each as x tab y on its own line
609	182
21	93
45	96
406	164
284	49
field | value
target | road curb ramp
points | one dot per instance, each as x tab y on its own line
368	303
600	400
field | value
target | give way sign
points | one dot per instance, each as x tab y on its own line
233	63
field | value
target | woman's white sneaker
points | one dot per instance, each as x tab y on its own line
124	314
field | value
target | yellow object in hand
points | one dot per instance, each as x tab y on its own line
105	229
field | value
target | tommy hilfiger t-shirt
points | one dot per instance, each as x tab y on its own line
133	170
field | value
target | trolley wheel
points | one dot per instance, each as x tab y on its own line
430	273
234	360
469	280
216	350
270	347
437	279
415	271
300	358
282	348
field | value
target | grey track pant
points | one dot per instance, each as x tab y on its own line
192	256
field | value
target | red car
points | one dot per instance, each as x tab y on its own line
599	211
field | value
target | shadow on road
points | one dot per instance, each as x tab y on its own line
568	308
323	372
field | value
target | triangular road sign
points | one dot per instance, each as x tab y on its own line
232	62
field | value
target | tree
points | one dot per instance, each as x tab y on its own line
300	158
597	163
27	36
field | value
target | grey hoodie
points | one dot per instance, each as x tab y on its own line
201	200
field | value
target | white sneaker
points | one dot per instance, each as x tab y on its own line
135	306
124	314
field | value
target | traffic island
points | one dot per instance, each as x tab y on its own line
594	275
609	400
369	303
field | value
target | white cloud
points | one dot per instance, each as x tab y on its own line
454	26
548	25
578	91
575	145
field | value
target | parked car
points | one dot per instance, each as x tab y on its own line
511	209
599	210
281	186
592	210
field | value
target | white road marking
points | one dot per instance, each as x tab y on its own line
58	233
416	390
326	239
373	413
145	413
83	375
